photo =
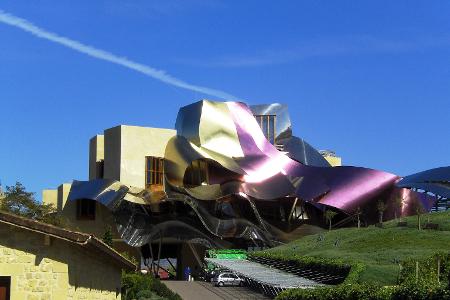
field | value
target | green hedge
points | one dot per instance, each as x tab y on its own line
368	292
420	291
136	285
428	269
340	292
426	287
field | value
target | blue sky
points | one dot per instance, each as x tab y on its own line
368	79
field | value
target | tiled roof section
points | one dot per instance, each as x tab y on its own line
86	241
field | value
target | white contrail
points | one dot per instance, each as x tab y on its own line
104	55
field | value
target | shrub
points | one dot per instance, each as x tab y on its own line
427	269
340	292
148	295
425	287
356	270
135	285
407	291
420	291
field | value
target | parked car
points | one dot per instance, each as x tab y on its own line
210	274
223	279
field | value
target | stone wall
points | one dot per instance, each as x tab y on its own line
43	268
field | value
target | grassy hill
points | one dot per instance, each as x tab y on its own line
380	249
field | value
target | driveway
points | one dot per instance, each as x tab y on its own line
194	290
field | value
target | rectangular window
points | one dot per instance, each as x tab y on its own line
86	209
5	287
154	171
268	126
100	168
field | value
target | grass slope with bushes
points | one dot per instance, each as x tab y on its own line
380	250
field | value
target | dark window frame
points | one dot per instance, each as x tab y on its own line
86	209
154	171
268	130
5	282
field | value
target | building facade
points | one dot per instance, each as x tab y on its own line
40	261
229	175
122	153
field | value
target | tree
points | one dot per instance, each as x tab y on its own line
329	215
418	209
358	213
381	207
398	204
20	202
108	237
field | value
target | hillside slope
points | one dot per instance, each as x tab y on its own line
380	249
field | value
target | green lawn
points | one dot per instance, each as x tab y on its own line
380	249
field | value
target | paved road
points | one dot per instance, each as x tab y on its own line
195	290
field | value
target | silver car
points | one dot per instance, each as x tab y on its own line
223	279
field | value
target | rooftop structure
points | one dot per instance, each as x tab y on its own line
331	157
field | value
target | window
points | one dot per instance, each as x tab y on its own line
100	168
197	173
268	126
5	286
86	209
154	171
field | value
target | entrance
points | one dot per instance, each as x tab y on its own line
5	286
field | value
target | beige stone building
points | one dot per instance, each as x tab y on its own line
121	153
129	154
43	262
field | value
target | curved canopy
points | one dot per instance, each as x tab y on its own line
436	181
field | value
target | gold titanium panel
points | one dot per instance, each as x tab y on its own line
217	130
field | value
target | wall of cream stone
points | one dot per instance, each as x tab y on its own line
136	144
103	217
98	226
58	271
63	193
112	153
50	197
96	154
125	149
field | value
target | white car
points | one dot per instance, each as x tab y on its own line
223	279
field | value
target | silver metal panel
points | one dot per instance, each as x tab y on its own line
283	126
298	149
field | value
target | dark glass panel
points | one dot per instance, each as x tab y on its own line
265	126
271	136
149	163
